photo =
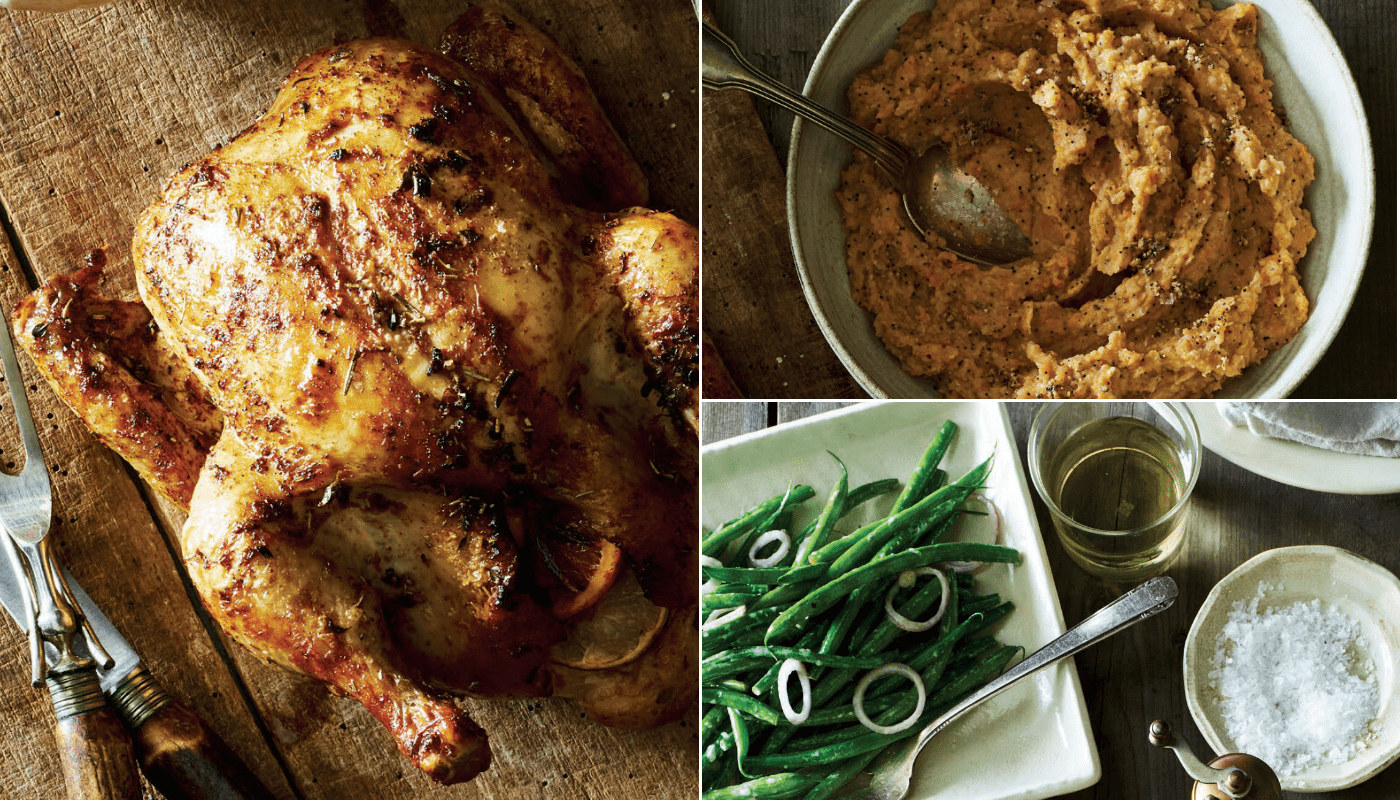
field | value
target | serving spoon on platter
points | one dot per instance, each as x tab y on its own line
938	196
892	771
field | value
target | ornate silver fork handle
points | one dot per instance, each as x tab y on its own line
723	68
26	512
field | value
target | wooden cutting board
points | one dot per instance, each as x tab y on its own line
97	109
755	312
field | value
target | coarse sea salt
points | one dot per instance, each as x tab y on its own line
1294	690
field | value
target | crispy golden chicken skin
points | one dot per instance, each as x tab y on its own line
387	354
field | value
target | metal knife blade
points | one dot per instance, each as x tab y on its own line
125	658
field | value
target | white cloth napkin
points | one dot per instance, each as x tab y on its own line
1371	429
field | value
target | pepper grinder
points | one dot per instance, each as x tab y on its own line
1234	776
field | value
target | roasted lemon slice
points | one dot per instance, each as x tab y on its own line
616	630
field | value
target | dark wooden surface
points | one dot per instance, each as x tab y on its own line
782	37
97	108
1135	677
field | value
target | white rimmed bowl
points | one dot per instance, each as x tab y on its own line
1312	83
1362	589
1295	464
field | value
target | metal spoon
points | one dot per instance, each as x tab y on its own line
938	197
893	769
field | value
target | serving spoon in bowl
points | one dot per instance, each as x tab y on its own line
938	196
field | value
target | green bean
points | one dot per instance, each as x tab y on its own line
758	576
729	775
886	631
795	618
917	604
929	531
840	682
801	574
856	498
728	662
717	600
952	611
770	678
924	472
854	742
863	594
784	784
841	775
713	545
709	724
842	554
928	659
833	549
844	712
729	698
991	617
971	650
866	492
927	512
826	521
741	740
978	603
840	627
722	744
781	595
727	634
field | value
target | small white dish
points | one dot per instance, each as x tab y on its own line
1034	740
1362	589
1311	81
1293	463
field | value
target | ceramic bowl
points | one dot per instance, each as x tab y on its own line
1311	81
1362	589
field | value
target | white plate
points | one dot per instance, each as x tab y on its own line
1032	741
1293	463
1364	590
1311	81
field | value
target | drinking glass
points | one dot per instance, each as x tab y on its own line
1117	478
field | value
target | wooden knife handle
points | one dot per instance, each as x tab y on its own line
93	746
186	761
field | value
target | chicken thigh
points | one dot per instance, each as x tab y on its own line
398	349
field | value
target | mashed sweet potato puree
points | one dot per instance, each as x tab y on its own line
1136	143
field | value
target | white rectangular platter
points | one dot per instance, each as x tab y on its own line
1033	741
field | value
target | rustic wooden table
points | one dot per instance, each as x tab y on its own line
754	307
97	108
1135	677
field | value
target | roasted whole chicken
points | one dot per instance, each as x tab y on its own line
424	375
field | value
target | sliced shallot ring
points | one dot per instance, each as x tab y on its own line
858	702
975	567
790	666
713	583
906	580
784	544
720	617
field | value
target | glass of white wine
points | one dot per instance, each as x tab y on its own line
1117	478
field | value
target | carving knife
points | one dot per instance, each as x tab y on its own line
180	756
70	638
64	653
